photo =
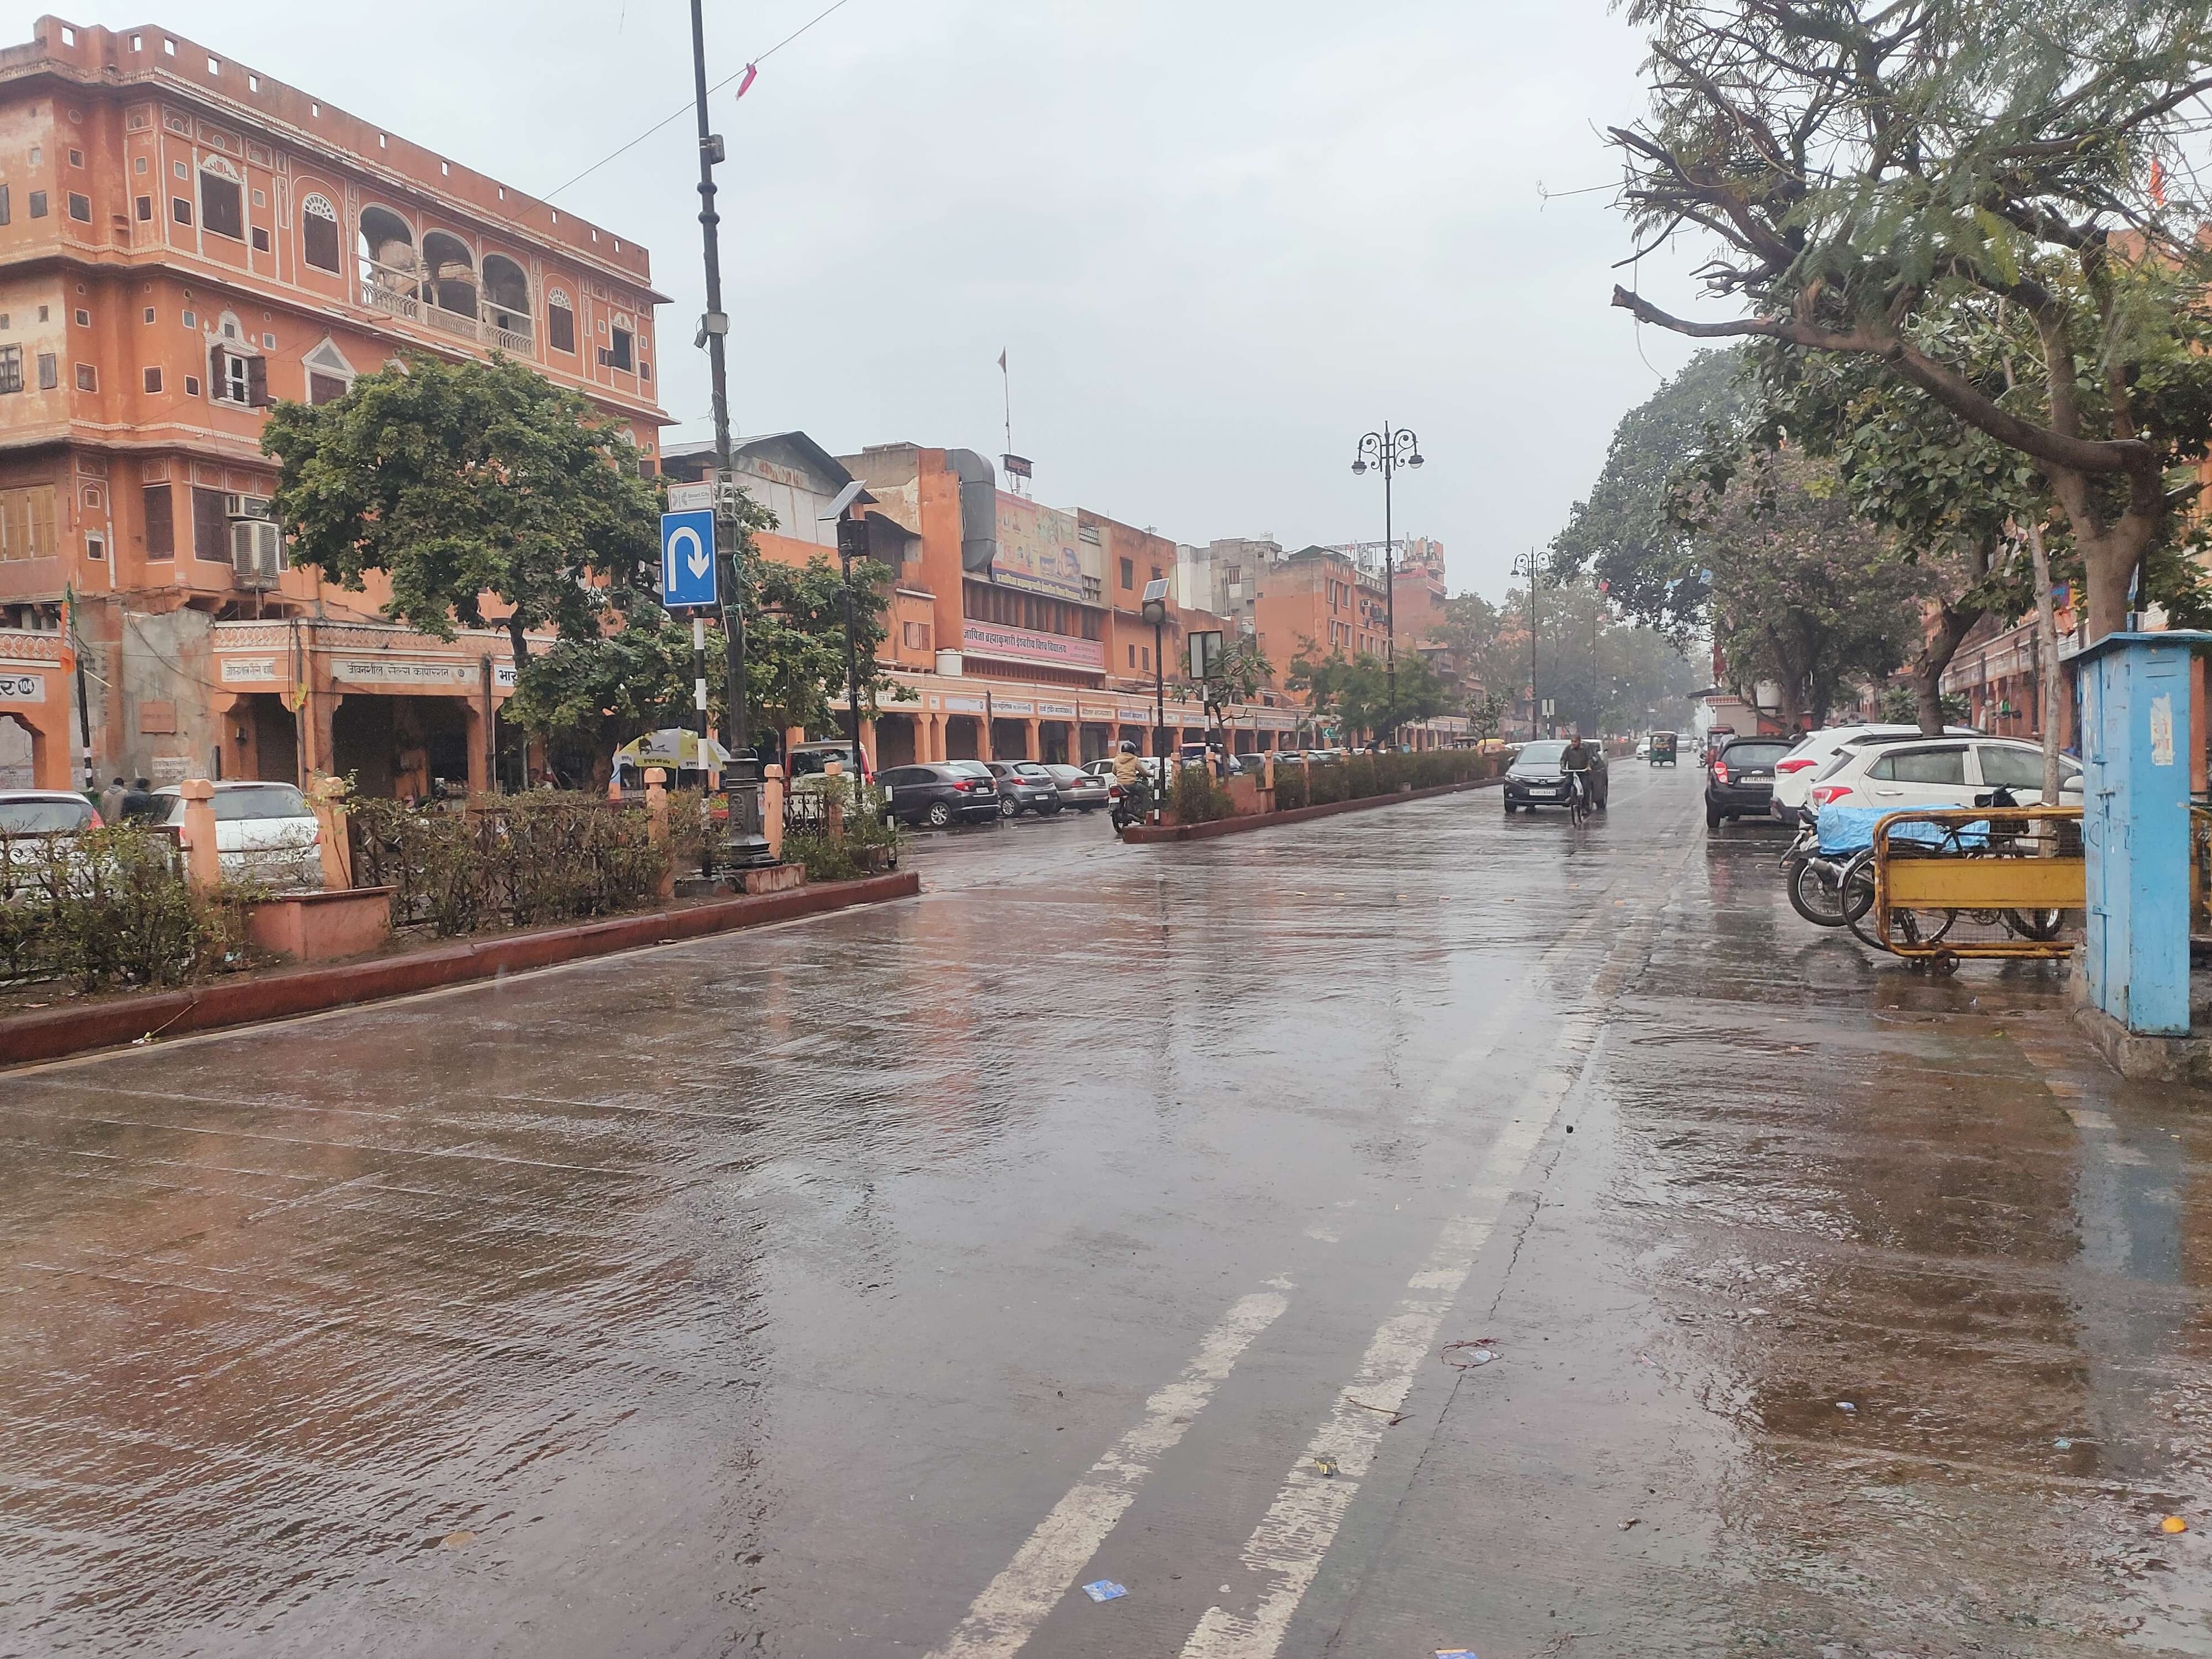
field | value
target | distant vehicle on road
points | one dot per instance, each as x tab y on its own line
940	794
1659	749
1025	787
265	832
1739	781
1086	791
1933	774
1536	778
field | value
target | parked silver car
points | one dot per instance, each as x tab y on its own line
264	833
1084	791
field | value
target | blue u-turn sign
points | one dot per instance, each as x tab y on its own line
687	559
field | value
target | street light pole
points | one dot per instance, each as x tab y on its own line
1387	449
746	843
1527	565
1155	611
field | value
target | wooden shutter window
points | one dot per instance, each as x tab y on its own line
160	523
257	383
211	526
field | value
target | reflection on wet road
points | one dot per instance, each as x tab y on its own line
870	1283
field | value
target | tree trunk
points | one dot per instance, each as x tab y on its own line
2046	664
1934	657
518	635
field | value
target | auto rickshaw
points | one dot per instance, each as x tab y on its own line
1662	752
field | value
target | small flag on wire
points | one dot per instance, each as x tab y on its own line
752	74
2157	181
1002	363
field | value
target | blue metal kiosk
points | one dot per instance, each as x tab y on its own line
2133	706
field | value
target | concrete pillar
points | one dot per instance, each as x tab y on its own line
772	809
203	869
479	766
1035	739
332	840
656	809
836	772
869	748
983	724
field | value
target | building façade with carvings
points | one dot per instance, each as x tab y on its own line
184	242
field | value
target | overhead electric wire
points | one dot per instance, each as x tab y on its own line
686	107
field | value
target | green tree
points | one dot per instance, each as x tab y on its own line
460	481
1625	532
1802	592
1871	173
1354	693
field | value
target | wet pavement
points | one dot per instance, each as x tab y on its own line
866	1285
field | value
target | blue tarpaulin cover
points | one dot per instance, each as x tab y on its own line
1850	829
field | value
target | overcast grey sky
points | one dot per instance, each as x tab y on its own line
1219	239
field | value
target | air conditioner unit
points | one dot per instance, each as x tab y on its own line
257	552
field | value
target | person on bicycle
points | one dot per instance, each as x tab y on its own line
1575	762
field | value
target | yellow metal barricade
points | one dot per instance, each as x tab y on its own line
2014	875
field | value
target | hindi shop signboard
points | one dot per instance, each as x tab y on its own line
410	672
18	687
1021	644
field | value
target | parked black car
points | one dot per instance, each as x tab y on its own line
1534	779
1025	787
946	792
1740	778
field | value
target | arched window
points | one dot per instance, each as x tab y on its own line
451	270
222	208
560	321
319	233
389	273
506	302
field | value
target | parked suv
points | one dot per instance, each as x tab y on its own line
1794	772
1934	773
1535	779
264	833
942	793
1739	782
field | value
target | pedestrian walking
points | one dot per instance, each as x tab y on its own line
111	801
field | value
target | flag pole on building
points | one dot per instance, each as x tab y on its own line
1006	386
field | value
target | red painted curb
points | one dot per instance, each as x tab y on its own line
51	1033
1146	835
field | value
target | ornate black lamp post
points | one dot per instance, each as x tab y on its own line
1386	450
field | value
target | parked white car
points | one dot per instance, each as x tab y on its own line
1794	772
264	833
1941	772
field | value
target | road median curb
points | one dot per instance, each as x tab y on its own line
1148	834
70	1029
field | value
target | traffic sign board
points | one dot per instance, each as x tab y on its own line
687	559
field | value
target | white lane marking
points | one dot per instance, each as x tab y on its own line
1005	1616
1286	1548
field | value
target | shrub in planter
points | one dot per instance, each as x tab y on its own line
1326	783
1359	779
1290	788
111	908
1197	799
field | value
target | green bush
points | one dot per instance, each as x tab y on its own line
1197	798
1291	792
111	908
824	857
508	860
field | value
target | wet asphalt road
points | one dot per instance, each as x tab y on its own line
864	1285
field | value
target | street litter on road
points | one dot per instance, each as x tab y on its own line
1105	1589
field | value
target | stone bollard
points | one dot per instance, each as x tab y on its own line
656	823
202	867
772	809
331	841
834	771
